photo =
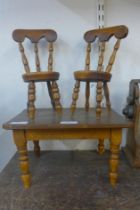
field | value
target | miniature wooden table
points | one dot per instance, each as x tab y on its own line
49	125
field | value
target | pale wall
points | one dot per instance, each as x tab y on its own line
70	19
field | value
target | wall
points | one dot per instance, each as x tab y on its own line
127	65
70	19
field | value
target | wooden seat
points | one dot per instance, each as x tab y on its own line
40	76
101	75
92	76
49	76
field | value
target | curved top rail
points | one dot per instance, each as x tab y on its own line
104	34
34	35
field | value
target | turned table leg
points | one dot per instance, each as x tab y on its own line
36	148
115	141
101	147
21	144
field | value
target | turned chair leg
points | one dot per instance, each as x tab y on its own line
101	147
36	148
56	96
31	99
75	95
99	97
50	94
87	94
107	97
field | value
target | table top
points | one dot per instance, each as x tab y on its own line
50	119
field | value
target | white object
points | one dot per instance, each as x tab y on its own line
100	13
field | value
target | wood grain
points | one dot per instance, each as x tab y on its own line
92	76
104	34
49	125
115	140
50	119
40	76
21	143
34	35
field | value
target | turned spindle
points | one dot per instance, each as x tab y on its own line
113	56
50	58
87	65
37	61
101	56
35	74
24	58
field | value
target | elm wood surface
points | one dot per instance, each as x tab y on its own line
104	34
48	118
132	111
49	75
40	76
92	76
48	125
34	35
101	76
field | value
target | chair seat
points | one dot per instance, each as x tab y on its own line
40	76
92	76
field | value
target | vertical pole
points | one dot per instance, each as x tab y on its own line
100	24
100	13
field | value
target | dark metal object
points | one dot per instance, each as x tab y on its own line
132	111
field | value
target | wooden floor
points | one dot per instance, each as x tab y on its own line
66	180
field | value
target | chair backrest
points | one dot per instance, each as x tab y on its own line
104	35
34	35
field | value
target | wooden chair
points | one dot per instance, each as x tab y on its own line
48	75
100	76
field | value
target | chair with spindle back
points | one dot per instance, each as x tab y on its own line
49	76
99	76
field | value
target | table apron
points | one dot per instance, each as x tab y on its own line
49	134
